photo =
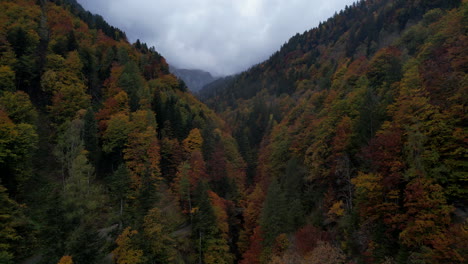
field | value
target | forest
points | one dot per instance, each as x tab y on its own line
348	145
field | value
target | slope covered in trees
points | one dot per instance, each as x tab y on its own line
349	143
103	153
355	138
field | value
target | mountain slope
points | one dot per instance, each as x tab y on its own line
103	151
350	143
354	135
194	79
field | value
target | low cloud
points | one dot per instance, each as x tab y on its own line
219	36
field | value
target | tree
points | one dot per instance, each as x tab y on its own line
142	158
66	260
204	220
193	142
325	253
252	255
64	81
119	184
220	207
67	101
251	216
171	157
308	237
16	144
116	135
197	170
373	202
217	251
131	82
160	246
69	145
8	234
115	104
7	79
16	141
274	214
183	188
19	108
293	182
90	131
83	201
142	120
426	215
84	243
82	198
126	251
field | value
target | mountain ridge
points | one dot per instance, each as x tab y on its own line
193	78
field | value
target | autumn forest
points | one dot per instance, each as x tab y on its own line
349	145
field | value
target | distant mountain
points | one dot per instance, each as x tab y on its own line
194	79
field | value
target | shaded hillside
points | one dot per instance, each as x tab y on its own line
194	79
103	150
355	136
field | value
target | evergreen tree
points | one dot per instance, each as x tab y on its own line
274	214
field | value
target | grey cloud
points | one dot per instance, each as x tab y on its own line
219	36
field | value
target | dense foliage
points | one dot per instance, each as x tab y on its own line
103	151
355	137
349	143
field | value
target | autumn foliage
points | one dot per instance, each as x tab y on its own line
348	145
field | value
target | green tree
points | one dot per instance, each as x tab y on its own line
274	213
116	135
67	101
119	184
7	79
83	201
8	234
160	246
19	107
69	146
132	82
204	220
90	138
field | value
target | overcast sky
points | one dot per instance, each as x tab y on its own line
219	36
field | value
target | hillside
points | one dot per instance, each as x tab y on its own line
194	79
103	152
348	145
354	134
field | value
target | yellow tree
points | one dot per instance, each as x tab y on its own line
325	253
113	105
66	260
158	241
427	214
193	142
126	252
64	80
116	134
142	158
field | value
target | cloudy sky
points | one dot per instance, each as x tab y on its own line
219	36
